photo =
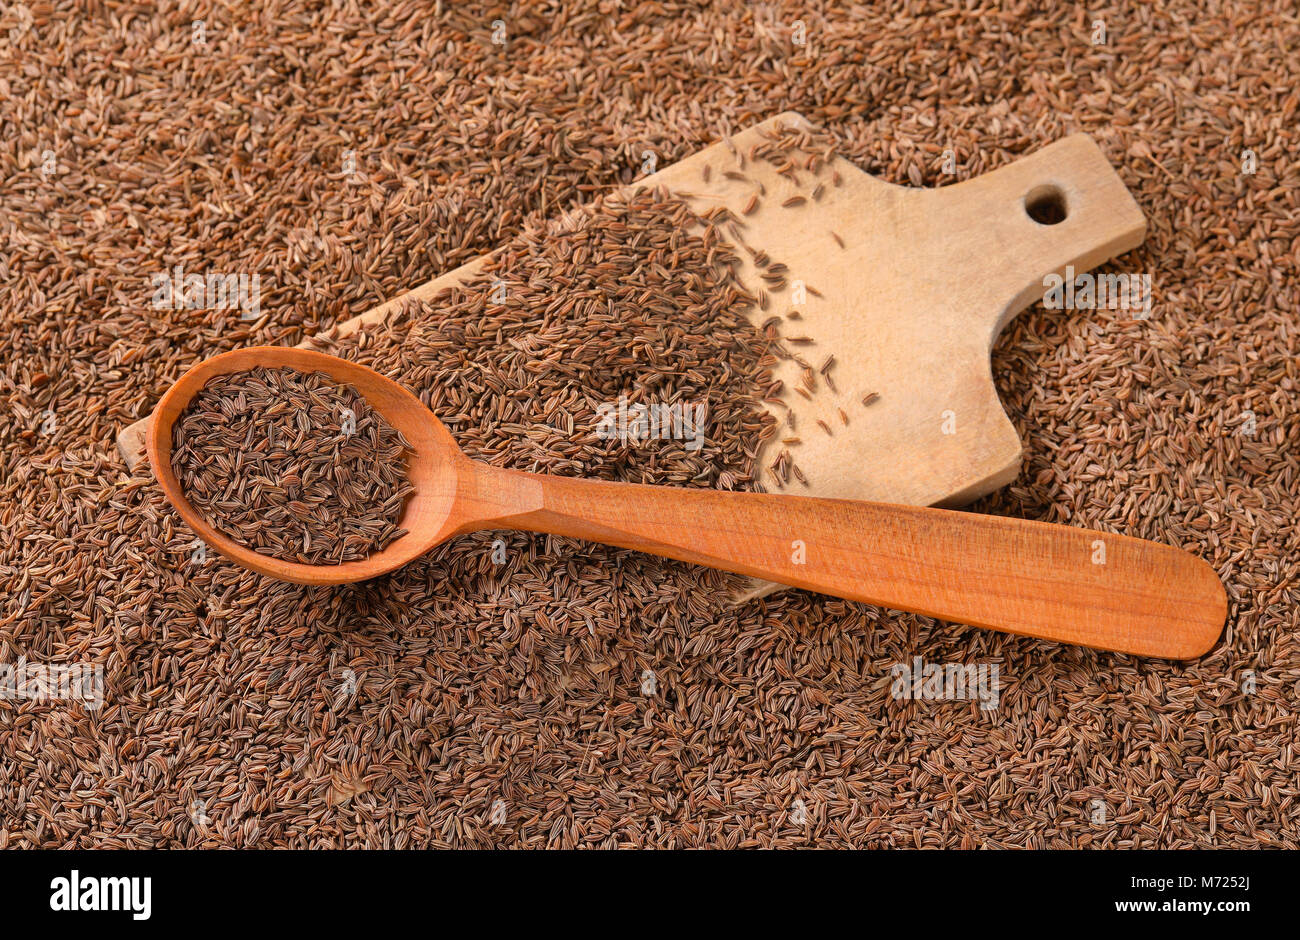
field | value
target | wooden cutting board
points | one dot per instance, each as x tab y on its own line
906	288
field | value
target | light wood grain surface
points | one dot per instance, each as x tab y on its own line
910	307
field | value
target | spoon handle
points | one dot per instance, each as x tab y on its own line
1054	582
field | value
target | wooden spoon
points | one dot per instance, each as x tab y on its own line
1054	582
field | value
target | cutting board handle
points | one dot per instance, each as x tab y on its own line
1062	206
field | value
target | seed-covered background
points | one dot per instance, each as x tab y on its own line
460	702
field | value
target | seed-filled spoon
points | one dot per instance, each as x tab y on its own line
1037	579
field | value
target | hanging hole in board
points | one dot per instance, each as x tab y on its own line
1046	205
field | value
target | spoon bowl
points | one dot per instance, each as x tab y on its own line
431	465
